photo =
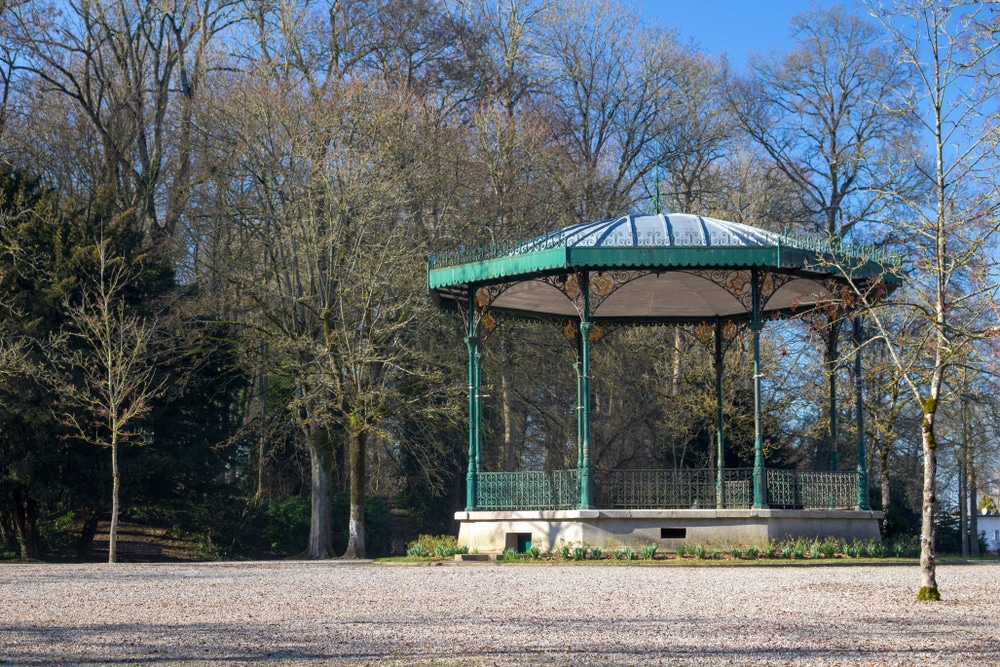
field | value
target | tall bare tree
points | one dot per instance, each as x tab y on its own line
948	224
612	81
830	114
133	70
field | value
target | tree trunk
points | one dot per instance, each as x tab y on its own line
929	587
886	481
359	479
321	466
963	503
826	458
113	533
26	524
973	490
87	534
506	398
262	445
675	380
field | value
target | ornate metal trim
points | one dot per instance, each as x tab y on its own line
602	284
738	282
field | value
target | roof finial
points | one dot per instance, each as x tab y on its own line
657	205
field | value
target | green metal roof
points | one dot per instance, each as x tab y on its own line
662	246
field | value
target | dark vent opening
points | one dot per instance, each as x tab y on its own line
673	533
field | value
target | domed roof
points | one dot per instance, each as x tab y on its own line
664	231
665	268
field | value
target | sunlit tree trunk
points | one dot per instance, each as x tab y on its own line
359	479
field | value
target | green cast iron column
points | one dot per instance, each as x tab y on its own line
586	472
578	367
862	499
759	474
479	414
834	427
472	343
720	454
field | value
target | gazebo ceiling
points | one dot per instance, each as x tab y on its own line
675	267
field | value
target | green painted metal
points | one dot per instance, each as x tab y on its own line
566	258
693	488
759	483
472	343
808	489
578	367
791	250
477	361
586	471
832	416
529	490
666	489
719	423
862	502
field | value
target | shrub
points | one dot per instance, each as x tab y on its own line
287	527
595	553
699	552
565	552
751	553
579	553
681	551
534	553
770	551
648	552
417	551
441	546
735	552
509	555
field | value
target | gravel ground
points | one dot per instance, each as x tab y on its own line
333	613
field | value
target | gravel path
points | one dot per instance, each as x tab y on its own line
332	613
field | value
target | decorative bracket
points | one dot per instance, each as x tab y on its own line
602	284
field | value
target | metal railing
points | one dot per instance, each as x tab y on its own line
673	489
528	490
666	489
808	489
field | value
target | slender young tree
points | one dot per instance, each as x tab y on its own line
105	368
949	224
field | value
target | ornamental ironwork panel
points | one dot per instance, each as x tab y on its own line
807	489
737	488
671	489
528	490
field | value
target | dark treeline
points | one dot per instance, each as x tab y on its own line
215	217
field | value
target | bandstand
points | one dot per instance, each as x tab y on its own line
669	269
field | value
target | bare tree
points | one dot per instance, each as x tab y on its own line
612	82
105	368
132	69
948	224
830	114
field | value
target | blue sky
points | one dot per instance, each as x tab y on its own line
734	26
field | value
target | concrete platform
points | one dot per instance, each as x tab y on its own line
492	532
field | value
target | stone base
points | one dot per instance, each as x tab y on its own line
492	532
